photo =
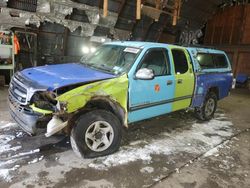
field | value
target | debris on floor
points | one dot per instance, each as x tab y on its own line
171	145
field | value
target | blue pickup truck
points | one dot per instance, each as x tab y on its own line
119	84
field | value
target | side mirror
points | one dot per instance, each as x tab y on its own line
144	74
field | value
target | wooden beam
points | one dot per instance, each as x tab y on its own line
138	10
105	8
158	4
158	7
153	2
175	12
153	12
177	9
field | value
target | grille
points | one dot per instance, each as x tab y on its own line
19	107
17	91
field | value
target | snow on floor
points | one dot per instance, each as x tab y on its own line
215	150
200	138
5	147
5	124
6	173
10	154
147	169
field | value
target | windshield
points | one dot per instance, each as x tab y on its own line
112	58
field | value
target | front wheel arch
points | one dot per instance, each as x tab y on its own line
110	105
101	103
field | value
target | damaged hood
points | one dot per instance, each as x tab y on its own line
56	76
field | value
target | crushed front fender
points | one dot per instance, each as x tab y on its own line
115	89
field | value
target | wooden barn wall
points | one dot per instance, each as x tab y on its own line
239	57
229	30
226	27
246	26
244	58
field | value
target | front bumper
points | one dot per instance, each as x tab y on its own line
26	120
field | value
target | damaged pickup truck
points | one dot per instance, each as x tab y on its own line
119	84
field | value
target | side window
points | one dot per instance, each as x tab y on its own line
180	61
220	61
205	61
156	60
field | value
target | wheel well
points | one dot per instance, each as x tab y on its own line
107	104
103	103
215	90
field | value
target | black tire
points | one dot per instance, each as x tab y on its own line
200	112
84	124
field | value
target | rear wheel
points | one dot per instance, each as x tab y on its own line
96	133
207	110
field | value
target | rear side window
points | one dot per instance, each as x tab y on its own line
180	61
205	61
220	61
210	61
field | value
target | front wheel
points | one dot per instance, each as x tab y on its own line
96	133
207	110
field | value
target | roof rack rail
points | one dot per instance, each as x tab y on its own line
195	45
201	46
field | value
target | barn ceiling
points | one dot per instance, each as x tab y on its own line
121	21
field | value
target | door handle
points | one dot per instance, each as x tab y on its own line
169	82
179	81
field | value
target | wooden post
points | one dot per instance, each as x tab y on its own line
158	4
175	16
138	10
179	9
105	8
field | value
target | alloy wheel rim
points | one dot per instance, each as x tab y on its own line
99	136
209	108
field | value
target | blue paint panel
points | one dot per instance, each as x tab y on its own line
222	81
220	78
149	113
56	76
142	92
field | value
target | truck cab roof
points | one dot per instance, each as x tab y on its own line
141	44
193	53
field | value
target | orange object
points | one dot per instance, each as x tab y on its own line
16	45
157	88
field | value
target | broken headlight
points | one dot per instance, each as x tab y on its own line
45	100
62	106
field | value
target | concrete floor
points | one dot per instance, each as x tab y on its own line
174	150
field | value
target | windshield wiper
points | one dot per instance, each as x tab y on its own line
105	68
87	64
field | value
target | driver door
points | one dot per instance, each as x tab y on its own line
152	97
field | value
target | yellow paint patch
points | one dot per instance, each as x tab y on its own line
116	89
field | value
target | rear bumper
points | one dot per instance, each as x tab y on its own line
27	121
